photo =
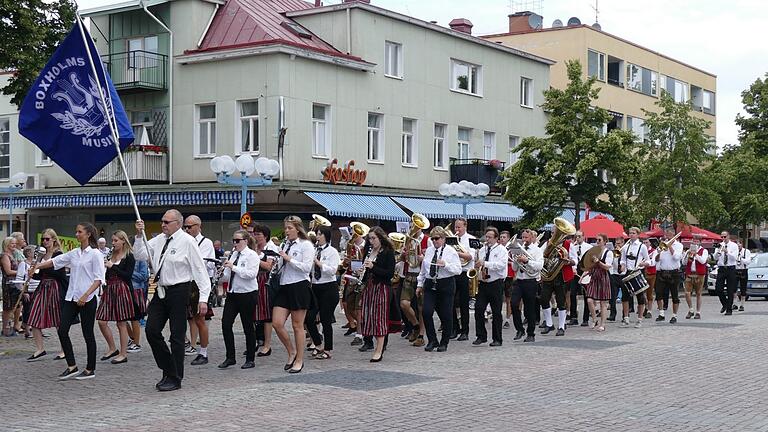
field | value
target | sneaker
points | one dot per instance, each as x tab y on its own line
697	316
689	315
68	373
134	348
673	320
199	360
639	324
130	342
647	315
190	351
625	322
741	308
506	325
660	318
86	375
357	341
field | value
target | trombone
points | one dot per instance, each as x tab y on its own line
665	245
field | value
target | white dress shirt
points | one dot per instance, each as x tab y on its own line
446	253
245	271
330	259
576	252
670	258
731	254
21	277
181	262
639	250
464	242
701	259
535	263
496	263
207	251
302	255
85	267
745	257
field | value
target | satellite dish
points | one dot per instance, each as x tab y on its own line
573	21
597	26
557	23
535	21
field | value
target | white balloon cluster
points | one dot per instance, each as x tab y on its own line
19	179
245	164
464	189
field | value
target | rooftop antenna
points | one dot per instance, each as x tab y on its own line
597	11
534	6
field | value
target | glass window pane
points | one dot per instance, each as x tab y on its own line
250	108
208	111
373	120
592	63
463	134
150	44
318	112
203	138
212	149
461	76
408	125
246	135
5	125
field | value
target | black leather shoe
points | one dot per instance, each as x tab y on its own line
227	363
585	324
673	320
660	318
109	356
247	365
741	308
722	309
611	318
264	354
430	347
530	339
357	341
199	360
405	333
574	321
289	365
560	332
543	325
479	341
170	384
519	335
365	347
495	344
442	348
161	382
547	329
454	334
728	312
734	307
350	331
463	337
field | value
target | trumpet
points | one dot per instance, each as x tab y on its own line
459	248
317	220
665	245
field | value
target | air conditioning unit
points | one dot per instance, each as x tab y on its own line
34	182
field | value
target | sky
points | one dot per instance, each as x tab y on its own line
726	38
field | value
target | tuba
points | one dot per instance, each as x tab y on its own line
555	255
459	248
317	220
358	229
397	239
419	222
665	245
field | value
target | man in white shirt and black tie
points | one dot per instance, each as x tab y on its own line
528	272
745	257
578	248
437	283
725	285
178	265
193	226
492	270
461	324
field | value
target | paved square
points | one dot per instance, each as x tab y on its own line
693	376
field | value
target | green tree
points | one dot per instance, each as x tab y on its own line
673	183
567	168
31	31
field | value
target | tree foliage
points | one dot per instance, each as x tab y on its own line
31	31
566	167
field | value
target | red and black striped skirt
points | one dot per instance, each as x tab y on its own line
375	309
116	302
45	311
263	310
139	304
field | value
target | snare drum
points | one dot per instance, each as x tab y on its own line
635	282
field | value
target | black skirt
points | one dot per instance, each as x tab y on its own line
295	296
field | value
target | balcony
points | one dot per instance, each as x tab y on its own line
137	70
477	171
145	162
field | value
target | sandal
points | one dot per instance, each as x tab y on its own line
316	351
322	355
601	329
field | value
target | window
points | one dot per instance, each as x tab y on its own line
249	127
206	130
41	159
375	138
703	100
642	80
489	145
142	52
439	146
408	143
393	59
596	64
466	77
320	131
526	92
463	143
5	148
615	70
637	126
514	155
676	88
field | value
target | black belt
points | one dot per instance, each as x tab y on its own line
668	271
726	267
183	284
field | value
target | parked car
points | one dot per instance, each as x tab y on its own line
711	279
757	276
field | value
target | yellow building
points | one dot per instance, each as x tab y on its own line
630	76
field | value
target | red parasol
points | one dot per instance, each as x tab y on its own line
600	224
688	232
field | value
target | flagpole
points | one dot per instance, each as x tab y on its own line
115	137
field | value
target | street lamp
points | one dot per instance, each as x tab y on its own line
16	184
224	167
464	193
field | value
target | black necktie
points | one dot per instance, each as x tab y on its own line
318	269
160	261
579	252
232	272
433	267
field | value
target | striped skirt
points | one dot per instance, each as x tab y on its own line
599	287
116	302
139	304
263	310
46	305
375	309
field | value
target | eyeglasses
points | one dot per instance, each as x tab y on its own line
165	222
722	237
237	240
46	239
436	238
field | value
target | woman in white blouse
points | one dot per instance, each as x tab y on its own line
86	275
326	291
294	296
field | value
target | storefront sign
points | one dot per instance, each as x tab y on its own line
67	243
335	174
245	220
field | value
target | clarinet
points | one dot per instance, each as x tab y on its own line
319	251
361	276
278	265
219	271
39	254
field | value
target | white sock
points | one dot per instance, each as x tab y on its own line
548	316
674	315
661	312
203	351
561	319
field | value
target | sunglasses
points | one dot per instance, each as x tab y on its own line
46	239
436	238
237	240
165	222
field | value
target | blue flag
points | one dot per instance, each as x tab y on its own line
64	115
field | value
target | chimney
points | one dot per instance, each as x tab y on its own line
521	21
461	25
318	3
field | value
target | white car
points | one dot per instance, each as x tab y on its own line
711	279
757	276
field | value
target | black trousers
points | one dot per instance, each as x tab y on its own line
173	309
439	296
461	301
725	285
525	290
615	285
243	304
492	293
667	282
741	278
575	290
327	296
558	287
69	312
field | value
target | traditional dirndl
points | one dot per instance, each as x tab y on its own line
375	309
46	305
599	287
116	302
139	304
263	310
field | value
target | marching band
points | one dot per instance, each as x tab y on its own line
385	283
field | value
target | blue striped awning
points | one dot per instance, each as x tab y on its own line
437	208
143	199
359	206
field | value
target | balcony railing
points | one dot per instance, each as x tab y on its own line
477	171
144	163
137	70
